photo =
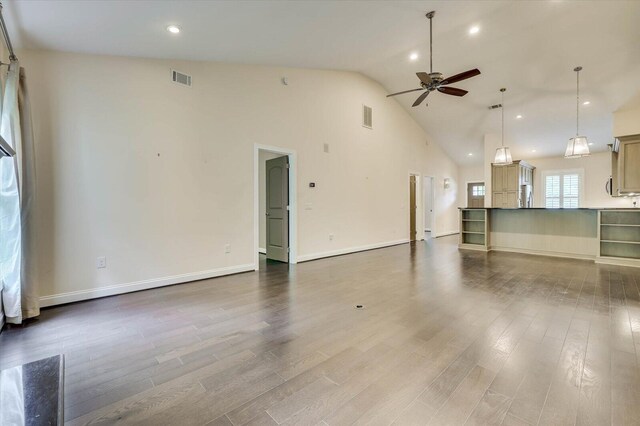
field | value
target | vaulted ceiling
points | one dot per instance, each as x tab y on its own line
530	48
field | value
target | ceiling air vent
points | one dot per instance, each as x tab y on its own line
367	120
180	78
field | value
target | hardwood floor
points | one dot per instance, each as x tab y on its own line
445	337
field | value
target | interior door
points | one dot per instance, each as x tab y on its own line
428	205
475	194
412	208
277	203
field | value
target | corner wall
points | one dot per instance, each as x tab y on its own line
158	177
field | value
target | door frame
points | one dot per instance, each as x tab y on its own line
432	180
419	207
293	202
466	191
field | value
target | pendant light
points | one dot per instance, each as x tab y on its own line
578	146
503	155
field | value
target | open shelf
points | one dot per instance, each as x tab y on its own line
620	234
473	229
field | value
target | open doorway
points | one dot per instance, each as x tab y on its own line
274	201
429	207
415	205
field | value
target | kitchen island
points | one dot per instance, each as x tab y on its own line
605	235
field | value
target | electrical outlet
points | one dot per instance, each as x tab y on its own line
330	237
227	248
101	262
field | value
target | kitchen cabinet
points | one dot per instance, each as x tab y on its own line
628	167
507	182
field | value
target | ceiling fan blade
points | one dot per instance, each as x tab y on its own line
424	77
406	91
421	98
452	91
462	76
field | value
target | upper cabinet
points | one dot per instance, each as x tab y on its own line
628	167
507	182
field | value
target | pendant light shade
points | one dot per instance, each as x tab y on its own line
503	155
577	146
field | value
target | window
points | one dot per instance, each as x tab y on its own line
477	190
563	189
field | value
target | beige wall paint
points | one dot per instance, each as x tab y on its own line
626	122
263	156
158	177
597	169
473	173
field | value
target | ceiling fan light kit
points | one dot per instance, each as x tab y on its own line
503	154
433	81
577	146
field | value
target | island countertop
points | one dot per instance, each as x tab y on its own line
549	208
603	234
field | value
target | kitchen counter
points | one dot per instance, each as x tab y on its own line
547	208
606	235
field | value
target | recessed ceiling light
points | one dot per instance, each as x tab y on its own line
173	29
533	150
413	56
586	103
470	154
518	116
590	143
474	30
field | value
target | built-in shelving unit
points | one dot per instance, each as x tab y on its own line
619	237
474	230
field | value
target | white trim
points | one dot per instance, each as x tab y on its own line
544	253
348	250
618	261
560	172
111	290
432	228
262	250
446	233
293	201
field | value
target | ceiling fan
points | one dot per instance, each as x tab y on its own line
433	80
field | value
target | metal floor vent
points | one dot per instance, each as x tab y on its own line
180	78
367	119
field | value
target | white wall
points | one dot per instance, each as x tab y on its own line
473	173
263	156
158	177
626	122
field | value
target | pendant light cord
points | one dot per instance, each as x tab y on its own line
502	111
578	100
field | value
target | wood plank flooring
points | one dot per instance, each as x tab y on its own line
446	337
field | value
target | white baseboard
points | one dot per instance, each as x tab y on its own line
543	253
314	256
618	261
445	233
262	250
111	290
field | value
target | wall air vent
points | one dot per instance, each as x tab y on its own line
180	78
367	119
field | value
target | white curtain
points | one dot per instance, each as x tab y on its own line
17	199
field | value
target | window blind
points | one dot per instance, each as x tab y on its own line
562	190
